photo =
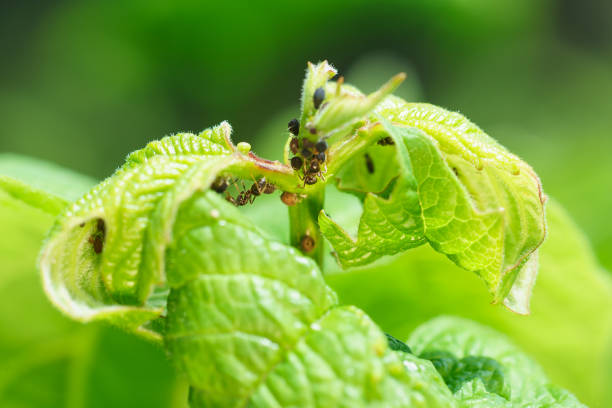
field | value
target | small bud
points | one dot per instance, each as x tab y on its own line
244	147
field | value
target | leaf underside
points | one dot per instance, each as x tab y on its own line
445	182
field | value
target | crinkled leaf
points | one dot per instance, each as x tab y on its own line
479	353
244	317
454	187
482	206
261	298
117	282
47	360
387	225
456	372
568	332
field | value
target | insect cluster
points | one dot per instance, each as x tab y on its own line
309	157
245	195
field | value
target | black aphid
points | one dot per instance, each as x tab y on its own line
294	145
318	97
321	157
321	146
307	144
296	163
369	163
386	141
294	126
219	185
307	153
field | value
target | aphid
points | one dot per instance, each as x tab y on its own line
308	144
219	185
97	238
321	156
369	163
269	189
290	199
307	153
307	243
294	145
297	162
97	243
321	146
386	141
310	179
318	97
101	226
294	126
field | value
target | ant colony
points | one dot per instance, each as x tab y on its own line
308	160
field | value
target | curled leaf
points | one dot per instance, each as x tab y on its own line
101	260
453	187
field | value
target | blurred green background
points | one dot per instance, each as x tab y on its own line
84	83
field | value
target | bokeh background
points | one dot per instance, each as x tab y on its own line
83	83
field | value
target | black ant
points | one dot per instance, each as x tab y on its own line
262	186
243	198
97	238
248	196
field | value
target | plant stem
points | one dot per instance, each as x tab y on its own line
303	223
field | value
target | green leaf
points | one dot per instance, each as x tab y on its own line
484	354
397	345
253	322
128	214
569	330
456	372
40	184
348	106
237	310
387	225
457	189
47	360
482	206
